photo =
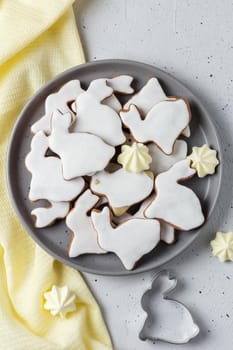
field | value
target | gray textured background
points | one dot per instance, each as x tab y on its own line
192	40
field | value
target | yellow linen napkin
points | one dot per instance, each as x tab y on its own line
38	39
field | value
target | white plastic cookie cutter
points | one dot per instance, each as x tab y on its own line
166	319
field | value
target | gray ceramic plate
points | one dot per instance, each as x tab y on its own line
55	239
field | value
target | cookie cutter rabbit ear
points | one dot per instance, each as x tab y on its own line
166	319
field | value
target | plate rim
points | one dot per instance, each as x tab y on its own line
70	262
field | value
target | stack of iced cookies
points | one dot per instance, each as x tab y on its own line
113	171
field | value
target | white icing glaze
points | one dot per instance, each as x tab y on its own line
46	216
186	132
73	108
112	102
84	238
162	125
60	301
126	216
167	233
149	95
57	101
138	215
130	240
47	180
96	118
99	89
162	162
121	84
80	153
175	203
122	188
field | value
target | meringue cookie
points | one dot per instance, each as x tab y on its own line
203	160
135	158
60	301
222	246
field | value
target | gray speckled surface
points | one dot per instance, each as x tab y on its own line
193	40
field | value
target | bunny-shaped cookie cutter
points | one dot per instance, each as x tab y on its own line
170	321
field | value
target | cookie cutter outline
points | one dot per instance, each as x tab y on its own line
165	296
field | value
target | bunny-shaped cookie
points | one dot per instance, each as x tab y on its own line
176	204
57	101
162	124
148	96
47	180
81	153
84	238
97	118
130	240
